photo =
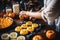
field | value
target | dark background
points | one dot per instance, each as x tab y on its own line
6	3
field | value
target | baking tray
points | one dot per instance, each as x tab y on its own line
41	30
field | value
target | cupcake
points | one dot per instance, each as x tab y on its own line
13	35
24	32
21	38
30	29
5	36
18	29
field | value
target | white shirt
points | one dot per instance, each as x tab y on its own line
51	10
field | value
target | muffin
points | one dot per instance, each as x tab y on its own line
18	29
5	36
29	23
50	34
21	38
13	35
24	26
24	32
30	29
37	37
34	25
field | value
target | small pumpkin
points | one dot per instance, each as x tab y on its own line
12	15
50	34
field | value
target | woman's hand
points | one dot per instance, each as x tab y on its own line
37	15
23	13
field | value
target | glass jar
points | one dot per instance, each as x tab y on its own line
8	9
16	8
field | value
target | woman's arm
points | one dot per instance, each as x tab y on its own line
37	15
34	14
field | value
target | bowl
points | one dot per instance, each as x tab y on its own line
5	22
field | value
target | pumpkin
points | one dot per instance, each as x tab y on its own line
50	34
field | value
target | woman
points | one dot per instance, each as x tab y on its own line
49	13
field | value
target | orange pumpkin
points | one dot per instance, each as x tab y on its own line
50	34
12	15
23	16
37	37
